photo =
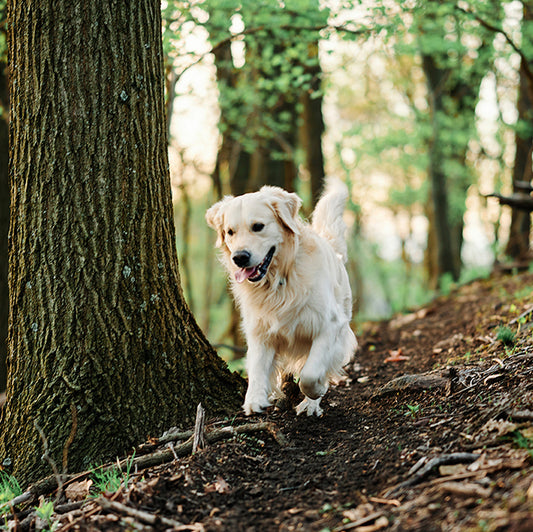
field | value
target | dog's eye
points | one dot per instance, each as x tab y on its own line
230	232
257	227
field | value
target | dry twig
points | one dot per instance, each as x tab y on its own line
140	515
198	440
445	459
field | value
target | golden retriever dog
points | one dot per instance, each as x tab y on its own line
292	289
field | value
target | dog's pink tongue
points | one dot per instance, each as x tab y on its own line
243	273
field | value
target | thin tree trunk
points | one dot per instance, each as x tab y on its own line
518	242
313	128
103	349
439	192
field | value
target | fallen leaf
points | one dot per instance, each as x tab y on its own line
355	514
495	428
78	491
219	486
396	356
406	319
527	432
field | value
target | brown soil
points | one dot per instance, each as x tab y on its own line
467	392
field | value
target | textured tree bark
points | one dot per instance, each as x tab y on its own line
4	223
103	350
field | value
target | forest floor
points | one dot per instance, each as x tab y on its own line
442	440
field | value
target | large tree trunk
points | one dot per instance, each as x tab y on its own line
103	350
4	224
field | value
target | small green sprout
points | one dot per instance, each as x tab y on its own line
413	410
506	336
9	489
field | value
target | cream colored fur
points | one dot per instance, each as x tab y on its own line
297	317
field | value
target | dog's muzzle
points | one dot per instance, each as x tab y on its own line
253	273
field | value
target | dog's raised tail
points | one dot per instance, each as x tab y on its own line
327	218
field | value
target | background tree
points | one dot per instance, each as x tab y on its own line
518	242
269	84
456	55
103	348
268	87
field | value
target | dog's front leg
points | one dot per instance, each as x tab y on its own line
259	360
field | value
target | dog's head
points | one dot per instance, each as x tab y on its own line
252	229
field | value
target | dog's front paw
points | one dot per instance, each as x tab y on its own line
311	406
255	406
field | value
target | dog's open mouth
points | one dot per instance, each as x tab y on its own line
255	273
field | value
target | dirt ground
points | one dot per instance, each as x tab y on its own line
439	440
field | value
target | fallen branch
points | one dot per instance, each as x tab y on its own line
225	433
51	483
525	186
468	489
518	415
518	200
526	312
360	522
445	459
145	517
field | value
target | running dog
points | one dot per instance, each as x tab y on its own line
291	286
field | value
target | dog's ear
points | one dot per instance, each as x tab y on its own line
214	217
286	206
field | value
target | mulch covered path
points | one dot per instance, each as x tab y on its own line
440	439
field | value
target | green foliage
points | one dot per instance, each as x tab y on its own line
44	512
266	55
107	481
9	489
522	442
506	336
110	480
413	410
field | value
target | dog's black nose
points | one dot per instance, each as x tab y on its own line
242	258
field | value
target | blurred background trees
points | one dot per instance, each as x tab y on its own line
422	107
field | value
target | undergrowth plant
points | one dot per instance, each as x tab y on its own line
522	442
9	489
44	512
412	410
506	336
112	479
